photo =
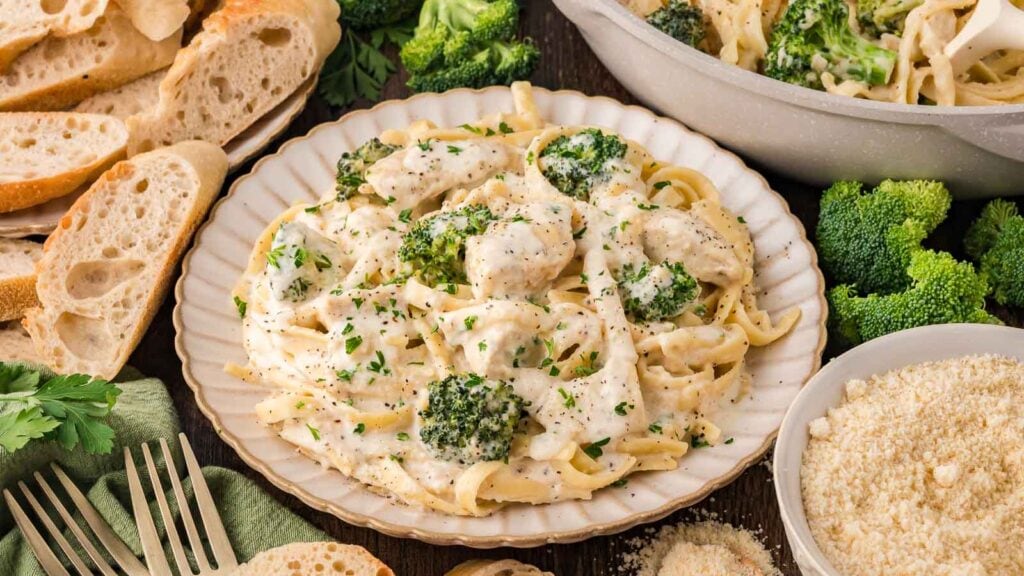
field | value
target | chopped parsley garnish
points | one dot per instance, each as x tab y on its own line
321	261
622	407
241	305
588	366
345	375
379	365
454	150
405	215
352	343
655	427
347	329
594	449
504	128
482	346
469	322
360	428
662	184
403	436
472	129
568	400
314	432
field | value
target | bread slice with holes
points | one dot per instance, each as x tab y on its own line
15	343
26	22
128	100
58	73
17	277
320	558
108	265
249	57
46	155
496	568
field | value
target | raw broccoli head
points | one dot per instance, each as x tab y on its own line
656	293
996	240
436	246
815	36
880	16
499	63
867	239
679	20
942	291
368	14
469	419
574	164
352	166
450	31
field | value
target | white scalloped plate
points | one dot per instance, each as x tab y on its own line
208	329
43	219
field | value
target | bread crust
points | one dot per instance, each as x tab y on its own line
17	295
356	561
12	46
209	164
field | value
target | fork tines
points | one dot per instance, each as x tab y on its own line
100	531
151	545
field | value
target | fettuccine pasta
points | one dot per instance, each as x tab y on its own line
354	336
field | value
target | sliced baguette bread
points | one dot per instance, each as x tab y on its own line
58	73
107	267
249	57
46	155
26	22
320	558
156	19
17	277
15	343
128	100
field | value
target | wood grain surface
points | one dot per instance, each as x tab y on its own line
566	63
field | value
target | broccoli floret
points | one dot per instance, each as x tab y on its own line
467	43
500	63
656	293
880	16
996	240
368	14
352	166
867	239
574	164
815	36
942	291
436	246
469	419
679	20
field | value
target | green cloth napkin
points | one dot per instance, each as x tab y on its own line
254	520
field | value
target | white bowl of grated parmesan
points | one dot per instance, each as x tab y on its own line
905	456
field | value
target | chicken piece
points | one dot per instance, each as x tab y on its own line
678	236
522	252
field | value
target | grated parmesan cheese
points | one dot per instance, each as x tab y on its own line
920	472
703	549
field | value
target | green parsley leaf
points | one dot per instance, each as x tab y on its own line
505	128
405	215
360	428
241	305
594	450
567	399
469	322
314	432
403	436
352	343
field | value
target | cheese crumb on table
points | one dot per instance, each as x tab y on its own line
703	549
920	472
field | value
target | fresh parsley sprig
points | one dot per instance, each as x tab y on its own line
358	67
69	409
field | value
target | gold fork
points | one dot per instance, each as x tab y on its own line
151	545
122	555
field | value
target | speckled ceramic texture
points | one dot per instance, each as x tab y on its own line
806	134
43	219
209	331
826	390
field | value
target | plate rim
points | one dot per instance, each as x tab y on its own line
548	537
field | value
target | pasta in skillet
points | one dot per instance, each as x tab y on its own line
502	312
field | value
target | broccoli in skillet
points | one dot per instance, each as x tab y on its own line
469	419
880	16
574	164
867	238
467	43
996	240
436	246
679	20
352	166
814	36
660	292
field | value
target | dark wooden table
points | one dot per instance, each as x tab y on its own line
566	63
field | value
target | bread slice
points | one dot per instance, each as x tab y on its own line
249	57
108	265
26	22
58	73
128	100
17	277
15	343
319	558
46	155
